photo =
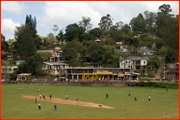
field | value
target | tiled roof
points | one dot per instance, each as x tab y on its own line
58	49
54	55
49	41
9	53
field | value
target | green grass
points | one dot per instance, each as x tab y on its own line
164	104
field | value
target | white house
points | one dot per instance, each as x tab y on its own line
56	56
133	62
55	68
9	55
8	69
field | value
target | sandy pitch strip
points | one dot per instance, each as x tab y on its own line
70	102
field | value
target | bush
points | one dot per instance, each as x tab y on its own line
137	71
151	75
159	85
39	72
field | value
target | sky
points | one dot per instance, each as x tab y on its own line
63	13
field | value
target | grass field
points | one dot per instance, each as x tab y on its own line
164	104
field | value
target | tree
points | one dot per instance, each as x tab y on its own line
164	9
105	23
119	25
138	24
159	44
86	36
85	22
154	62
25	41
150	19
107	58
170	34
30	65
31	22
71	50
4	44
60	36
96	32
115	33
95	52
126	29
73	31
55	29
51	37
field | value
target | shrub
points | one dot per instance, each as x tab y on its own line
151	75
39	72
159	85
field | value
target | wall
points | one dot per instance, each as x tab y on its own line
142	62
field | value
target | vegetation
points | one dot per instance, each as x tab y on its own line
30	65
161	28
4	44
158	85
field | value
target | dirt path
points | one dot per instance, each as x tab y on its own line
70	102
158	74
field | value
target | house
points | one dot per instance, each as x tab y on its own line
9	55
19	62
55	68
146	51
100	40
56	56
133	62
92	73
153	36
172	71
7	70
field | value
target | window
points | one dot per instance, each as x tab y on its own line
144	62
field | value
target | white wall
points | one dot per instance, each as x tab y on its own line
8	69
126	64
143	62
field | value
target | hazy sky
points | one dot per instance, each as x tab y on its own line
64	13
